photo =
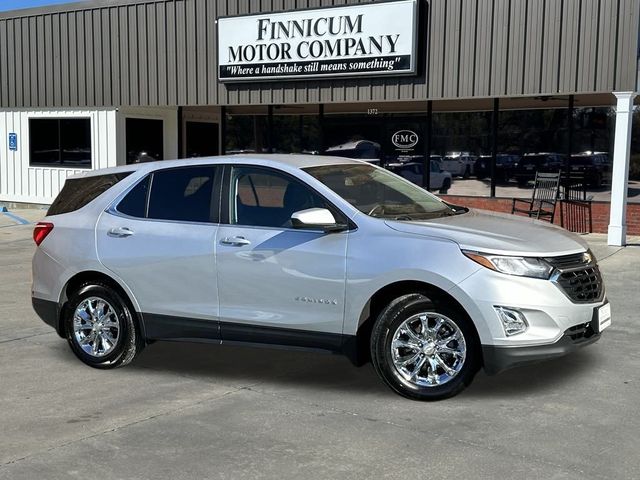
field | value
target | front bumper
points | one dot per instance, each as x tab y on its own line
498	359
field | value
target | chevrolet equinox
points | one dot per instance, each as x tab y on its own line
313	252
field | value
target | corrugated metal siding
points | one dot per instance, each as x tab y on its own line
21	183
163	53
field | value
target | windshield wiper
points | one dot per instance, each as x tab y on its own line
456	209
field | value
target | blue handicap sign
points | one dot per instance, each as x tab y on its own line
13	141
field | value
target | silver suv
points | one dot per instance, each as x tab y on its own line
315	252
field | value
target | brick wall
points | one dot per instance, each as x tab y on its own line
599	211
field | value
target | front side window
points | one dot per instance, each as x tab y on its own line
60	142
378	193
182	194
268	199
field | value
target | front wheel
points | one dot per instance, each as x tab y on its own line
424	351
100	327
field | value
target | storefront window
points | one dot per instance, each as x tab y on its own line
144	140
529	140
60	142
538	140
462	147
634	167
357	136
247	130
296	133
201	139
592	153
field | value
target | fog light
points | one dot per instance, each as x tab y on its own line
513	321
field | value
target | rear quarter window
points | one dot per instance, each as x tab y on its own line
134	203
78	192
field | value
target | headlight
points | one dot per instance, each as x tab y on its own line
520	266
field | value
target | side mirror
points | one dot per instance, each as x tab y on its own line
316	218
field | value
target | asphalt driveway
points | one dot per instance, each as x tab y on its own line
188	411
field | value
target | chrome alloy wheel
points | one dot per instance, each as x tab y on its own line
428	349
96	326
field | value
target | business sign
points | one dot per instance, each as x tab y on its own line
404	139
365	39
13	142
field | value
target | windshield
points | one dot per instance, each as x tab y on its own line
378	193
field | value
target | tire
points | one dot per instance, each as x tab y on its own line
446	185
424	382
115	341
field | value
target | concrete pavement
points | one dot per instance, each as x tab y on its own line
186	411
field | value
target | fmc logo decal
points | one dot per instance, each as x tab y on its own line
404	139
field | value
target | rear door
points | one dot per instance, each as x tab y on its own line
160	240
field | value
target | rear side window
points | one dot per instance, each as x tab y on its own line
78	192
134	203
182	194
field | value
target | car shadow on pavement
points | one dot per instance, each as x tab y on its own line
240	365
539	377
243	365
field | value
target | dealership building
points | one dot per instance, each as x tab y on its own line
103	83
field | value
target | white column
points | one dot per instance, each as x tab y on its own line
620	170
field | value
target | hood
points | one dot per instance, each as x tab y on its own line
498	233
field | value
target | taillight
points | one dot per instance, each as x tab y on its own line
41	230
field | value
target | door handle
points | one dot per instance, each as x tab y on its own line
235	241
120	232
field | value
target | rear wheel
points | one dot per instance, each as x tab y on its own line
100	327
424	351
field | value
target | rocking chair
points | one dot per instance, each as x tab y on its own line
542	205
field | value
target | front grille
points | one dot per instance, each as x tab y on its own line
580	332
583	285
566	262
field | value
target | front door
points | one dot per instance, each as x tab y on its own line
164	250
277	284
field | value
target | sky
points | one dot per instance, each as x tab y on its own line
18	4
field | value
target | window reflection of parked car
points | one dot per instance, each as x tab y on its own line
413	158
359	149
505	166
531	163
595	167
142	156
413	171
460	164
